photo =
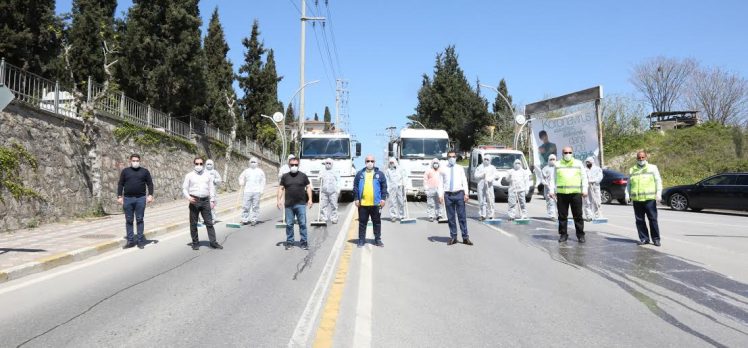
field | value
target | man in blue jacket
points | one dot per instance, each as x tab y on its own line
369	194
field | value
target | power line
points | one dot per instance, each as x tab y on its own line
332	34
322	58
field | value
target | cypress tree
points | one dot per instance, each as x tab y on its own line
93	23
219	75
290	115
503	114
30	34
327	118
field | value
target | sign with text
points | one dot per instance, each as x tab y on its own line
578	130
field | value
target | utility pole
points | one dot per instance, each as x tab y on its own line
341	104
304	18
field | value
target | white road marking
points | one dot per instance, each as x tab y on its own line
305	325
362	331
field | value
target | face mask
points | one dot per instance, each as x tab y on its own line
294	169
209	166
517	167
589	165
328	166
253	164
393	166
486	163
568	157
198	169
369	165
641	163
452	161
135	164
552	163
435	165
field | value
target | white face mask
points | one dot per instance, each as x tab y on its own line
435	165
393	166
641	163
209	166
452	161
369	165
198	169
294	169
328	166
486	163
517	166
552	163
135	164
568	157
253	164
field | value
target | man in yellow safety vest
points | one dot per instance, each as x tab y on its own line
568	189
645	190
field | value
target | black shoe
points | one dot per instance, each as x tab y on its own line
581	239
215	245
195	246
129	245
305	245
467	241
245	223
642	242
379	244
563	238
481	218
452	241
360	244
657	243
141	245
289	245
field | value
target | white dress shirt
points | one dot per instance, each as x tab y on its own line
199	185
459	183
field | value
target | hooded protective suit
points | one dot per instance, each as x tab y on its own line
548	178
329	190
432	181
396	189
253	180
518	184
593	201
486	173
210	169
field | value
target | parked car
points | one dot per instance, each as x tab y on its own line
612	187
721	191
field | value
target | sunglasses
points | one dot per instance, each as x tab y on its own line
451	156
567	153
198	163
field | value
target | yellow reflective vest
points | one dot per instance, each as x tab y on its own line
569	175
642	182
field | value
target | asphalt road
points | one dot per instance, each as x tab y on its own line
515	287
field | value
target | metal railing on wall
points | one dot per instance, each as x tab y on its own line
40	93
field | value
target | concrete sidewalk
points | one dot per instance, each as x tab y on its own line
29	251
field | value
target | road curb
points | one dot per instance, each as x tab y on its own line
50	262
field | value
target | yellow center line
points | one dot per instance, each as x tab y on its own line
326	329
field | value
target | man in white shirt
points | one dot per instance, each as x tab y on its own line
199	190
456	194
253	181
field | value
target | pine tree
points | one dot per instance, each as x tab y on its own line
290	115
504	118
163	62
30	34
327	118
316	117
92	25
219	75
447	101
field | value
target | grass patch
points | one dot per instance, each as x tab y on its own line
152	138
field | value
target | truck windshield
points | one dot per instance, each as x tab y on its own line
424	148
505	160
325	147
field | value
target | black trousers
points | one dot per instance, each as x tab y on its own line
574	200
648	209
202	206
364	212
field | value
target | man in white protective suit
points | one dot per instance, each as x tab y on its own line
518	183
548	177
329	190
395	189
486	174
210	169
432	179
593	201
253	180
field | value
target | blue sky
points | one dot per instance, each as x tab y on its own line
542	48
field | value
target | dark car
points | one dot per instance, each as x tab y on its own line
721	191
613	186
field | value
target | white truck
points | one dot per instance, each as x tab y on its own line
315	147
503	159
414	149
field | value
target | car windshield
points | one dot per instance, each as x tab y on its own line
505	160
325	147
424	148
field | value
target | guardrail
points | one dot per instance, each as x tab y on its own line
40	93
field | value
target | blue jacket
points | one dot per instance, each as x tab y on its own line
380	185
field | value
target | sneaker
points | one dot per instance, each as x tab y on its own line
482	218
379	244
215	245
252	223
304	245
288	245
467	241
642	242
452	241
360	244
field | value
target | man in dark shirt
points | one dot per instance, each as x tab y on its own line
298	191
131	193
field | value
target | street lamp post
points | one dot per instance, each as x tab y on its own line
277	118
519	120
424	127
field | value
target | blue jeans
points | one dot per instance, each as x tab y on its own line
298	211
455	203
648	208
134	208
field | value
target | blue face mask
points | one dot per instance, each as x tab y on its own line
452	161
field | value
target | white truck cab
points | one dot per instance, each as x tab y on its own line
503	159
315	147
414	149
